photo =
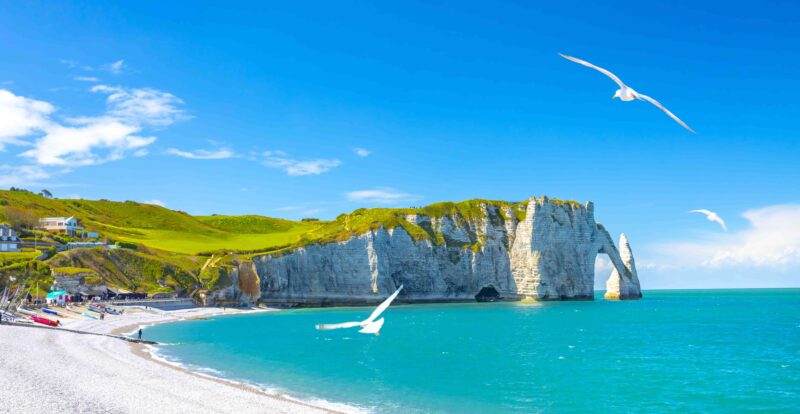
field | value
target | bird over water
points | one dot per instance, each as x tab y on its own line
626	93
371	325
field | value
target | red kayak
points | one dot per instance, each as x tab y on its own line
44	321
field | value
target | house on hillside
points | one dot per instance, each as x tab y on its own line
9	242
62	225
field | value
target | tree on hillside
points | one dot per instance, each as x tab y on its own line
46	194
20	219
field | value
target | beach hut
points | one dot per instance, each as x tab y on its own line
57	297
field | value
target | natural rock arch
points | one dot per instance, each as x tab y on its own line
623	283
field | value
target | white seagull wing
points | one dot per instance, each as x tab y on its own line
382	307
721	222
666	111
712	216
597	68
330	326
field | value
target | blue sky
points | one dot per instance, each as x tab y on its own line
269	102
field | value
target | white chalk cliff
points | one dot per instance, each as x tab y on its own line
620	286
550	255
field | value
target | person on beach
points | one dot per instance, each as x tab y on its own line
140	334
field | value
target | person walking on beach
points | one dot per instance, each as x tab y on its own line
140	334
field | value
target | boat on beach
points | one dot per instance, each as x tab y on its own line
26	311
44	321
50	311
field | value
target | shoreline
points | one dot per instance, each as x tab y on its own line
57	361
146	351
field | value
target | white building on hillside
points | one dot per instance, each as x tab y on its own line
9	242
63	225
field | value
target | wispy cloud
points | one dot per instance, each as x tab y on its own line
772	240
22	175
280	160
86	79
381	196
74	64
142	106
201	154
115	67
303	211
361	152
155	202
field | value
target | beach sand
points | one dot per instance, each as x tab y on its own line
46	370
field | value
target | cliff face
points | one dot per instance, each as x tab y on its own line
550	255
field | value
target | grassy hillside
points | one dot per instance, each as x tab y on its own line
159	227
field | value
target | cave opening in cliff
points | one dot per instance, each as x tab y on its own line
488	294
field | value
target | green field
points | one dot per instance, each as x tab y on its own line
161	228
194	243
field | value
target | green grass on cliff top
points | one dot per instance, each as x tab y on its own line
176	231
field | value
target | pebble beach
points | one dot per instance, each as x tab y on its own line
48	370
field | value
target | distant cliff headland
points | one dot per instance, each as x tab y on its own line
537	249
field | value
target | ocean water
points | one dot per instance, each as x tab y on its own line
674	351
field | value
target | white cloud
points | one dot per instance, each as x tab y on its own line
145	106
200	154
772	240
381	196
602	265
77	145
279	159
22	175
361	152
155	202
20	116
306	209
73	64
115	67
81	141
86	79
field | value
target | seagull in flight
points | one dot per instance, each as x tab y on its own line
369	325
712	216
627	93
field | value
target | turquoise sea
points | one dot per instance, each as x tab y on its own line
674	351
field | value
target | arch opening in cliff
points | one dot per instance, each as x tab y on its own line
488	294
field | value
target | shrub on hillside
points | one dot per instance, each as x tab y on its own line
127	245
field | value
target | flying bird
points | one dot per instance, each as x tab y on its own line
627	93
369	325
712	216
